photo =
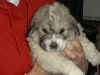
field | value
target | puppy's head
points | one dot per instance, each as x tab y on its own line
52	26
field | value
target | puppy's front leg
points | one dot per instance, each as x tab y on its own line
92	54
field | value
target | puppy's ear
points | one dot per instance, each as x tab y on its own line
33	33
32	28
80	27
33	24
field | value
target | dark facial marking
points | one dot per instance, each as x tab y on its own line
62	31
44	30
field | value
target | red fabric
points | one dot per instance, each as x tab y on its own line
14	23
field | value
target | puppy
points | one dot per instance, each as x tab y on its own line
52	29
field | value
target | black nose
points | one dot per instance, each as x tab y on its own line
53	45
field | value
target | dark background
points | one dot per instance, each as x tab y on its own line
75	7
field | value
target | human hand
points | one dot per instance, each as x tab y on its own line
77	56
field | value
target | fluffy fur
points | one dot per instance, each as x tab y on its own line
53	18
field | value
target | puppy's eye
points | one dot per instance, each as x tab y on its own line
44	30
62	30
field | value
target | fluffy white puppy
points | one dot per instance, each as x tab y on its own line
52	29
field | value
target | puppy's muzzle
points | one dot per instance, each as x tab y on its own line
53	45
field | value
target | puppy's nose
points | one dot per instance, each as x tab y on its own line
53	45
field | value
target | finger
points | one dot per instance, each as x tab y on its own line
79	54
69	53
73	54
79	48
77	45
